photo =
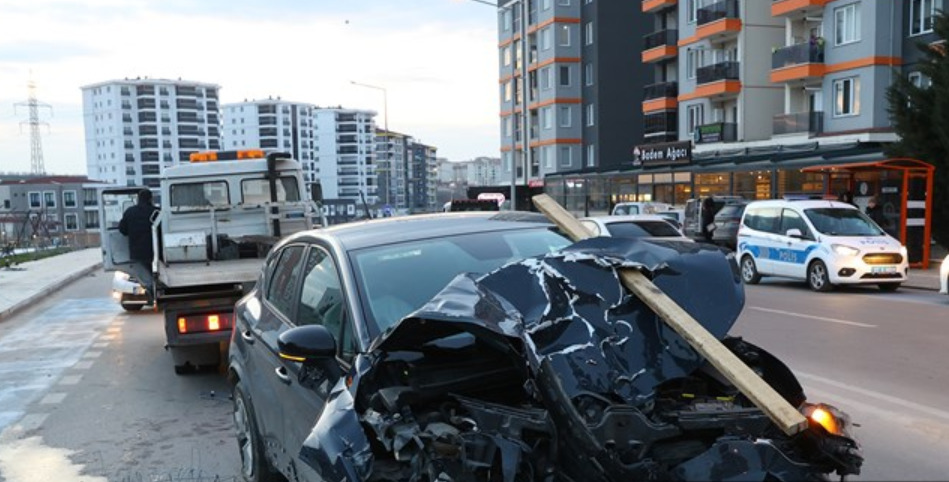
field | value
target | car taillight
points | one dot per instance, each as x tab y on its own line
205	323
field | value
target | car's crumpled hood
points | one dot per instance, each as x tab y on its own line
570	309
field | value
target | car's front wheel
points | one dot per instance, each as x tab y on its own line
254	464
749	272
817	277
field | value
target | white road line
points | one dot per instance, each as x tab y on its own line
53	399
70	380
113	329
100	344
811	317
92	354
877	395
31	421
107	337
83	365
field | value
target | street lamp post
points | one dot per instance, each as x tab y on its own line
385	127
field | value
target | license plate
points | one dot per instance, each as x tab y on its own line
883	269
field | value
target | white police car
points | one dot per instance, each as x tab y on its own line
825	243
944	276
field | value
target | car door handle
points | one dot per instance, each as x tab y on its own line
248	337
283	375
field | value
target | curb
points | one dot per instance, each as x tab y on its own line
47	290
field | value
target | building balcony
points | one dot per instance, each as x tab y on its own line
718	72
660	124
811	123
795	62
661	96
717	21
652	6
724	9
716	132
660	45
799	8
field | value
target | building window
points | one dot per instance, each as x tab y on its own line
508	129
591	152
547	117
506	18
546	78
545	38
588	73
846	97
590	115
506	56
69	199
588	33
692	8
49	198
564	115
847	24
545	4
563	35
565	75
920	80
694	118
72	222
507	160
566	155
507	91
921	13
565	3
691	59
35	200
548	153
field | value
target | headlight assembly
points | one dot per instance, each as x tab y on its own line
844	250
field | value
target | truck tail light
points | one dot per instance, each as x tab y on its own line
205	322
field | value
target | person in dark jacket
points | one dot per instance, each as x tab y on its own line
136	224
707	218
875	212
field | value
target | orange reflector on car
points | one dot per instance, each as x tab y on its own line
292	358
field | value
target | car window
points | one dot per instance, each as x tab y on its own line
321	297
764	219
790	219
199	195
396	279
637	229
731	210
280	290
257	191
591	227
842	222
624	209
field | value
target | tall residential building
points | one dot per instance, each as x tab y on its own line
480	171
569	88
334	145
137	127
411	170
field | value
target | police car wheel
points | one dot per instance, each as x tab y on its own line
817	277
749	272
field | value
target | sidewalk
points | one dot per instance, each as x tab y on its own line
27	282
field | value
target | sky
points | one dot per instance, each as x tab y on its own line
436	60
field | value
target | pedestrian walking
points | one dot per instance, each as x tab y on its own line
136	224
708	218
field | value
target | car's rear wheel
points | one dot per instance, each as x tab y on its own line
749	272
254	464
817	277
889	287
129	306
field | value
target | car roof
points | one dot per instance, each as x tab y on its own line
382	231
802	204
627	218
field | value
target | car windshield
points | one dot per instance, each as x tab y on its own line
639	229
842	222
731	211
397	279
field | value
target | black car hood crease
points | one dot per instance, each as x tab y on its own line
567	312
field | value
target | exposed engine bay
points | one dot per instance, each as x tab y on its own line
547	369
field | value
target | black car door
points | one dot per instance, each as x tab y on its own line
321	301
267	389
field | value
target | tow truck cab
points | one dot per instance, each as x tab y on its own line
219	216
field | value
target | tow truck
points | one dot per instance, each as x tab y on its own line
219	216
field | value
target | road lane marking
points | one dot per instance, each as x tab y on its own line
92	354
811	317
53	398
100	344
83	365
107	337
113	329
70	380
877	395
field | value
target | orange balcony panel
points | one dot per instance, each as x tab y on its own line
664	103
784	7
718	27
798	72
653	5
713	89
661	52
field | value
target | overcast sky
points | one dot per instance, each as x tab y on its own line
436	59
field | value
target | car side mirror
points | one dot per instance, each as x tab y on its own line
308	343
795	233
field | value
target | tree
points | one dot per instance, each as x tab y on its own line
920	116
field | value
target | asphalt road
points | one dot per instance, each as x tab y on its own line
881	357
86	388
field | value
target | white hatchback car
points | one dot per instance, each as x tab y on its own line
825	243
634	226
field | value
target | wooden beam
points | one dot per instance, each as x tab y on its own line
785	416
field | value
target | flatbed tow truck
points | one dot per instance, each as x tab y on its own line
220	215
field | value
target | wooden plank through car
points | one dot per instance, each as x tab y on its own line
785	416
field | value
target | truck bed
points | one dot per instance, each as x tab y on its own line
179	275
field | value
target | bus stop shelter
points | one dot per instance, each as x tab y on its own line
902	185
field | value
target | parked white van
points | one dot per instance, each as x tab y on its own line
825	243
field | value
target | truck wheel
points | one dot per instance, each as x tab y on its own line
817	277
254	464
749	272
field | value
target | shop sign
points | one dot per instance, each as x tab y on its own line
710	133
535	183
663	154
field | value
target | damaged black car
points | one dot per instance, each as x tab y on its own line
488	346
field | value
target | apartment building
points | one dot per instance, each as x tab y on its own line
480	171
411	181
134	128
273	125
568	86
48	210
